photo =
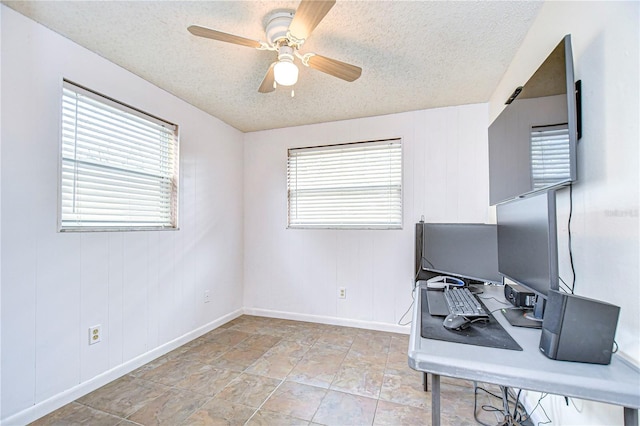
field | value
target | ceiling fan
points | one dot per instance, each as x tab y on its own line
286	32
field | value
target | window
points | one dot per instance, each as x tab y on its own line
354	186
119	166
550	162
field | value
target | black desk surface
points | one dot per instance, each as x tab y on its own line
481	333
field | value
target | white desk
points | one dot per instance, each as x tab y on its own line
617	383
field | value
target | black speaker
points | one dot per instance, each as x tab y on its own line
578	329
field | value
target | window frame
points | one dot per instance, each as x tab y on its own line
172	179
397	141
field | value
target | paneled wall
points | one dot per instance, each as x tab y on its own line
145	288
297	272
605	225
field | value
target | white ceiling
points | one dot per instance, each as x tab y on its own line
414	55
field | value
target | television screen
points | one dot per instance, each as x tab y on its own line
532	143
468	250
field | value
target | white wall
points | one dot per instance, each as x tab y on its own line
297	273
144	288
605	38
1	9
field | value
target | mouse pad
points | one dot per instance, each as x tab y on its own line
480	333
517	318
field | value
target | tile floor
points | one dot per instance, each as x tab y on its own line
264	371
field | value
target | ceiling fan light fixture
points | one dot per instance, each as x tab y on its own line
285	72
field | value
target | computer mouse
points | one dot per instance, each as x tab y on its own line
456	322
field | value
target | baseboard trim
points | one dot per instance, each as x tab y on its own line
322	319
51	404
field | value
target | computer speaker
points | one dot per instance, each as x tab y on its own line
578	329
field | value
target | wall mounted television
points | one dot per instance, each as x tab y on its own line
532	143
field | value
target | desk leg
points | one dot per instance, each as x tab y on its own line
435	399
425	382
630	416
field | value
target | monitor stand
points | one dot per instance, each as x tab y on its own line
520	318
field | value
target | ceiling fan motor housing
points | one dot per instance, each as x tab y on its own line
278	26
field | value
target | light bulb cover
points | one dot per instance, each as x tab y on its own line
285	72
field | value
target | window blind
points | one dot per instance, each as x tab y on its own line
550	160
356	185
119	166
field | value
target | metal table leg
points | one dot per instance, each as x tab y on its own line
630	416
435	399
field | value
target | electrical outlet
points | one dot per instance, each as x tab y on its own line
342	293
207	299
95	334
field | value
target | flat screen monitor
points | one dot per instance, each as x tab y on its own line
468	250
532	143
528	244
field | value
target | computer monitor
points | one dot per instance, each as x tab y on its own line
467	250
528	244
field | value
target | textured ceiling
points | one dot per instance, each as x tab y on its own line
414	55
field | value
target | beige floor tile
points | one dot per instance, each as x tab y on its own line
335	338
319	365
360	379
295	400
360	355
249	390
124	396
371	343
313	373
262	342
327	351
206	352
77	414
170	408
156	362
237	359
302	336
269	418
339	408
405	390
398	364
208	381
392	414
289	348
275	366
219	412
399	343
174	371
278	361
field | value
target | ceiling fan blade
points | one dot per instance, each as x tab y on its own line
220	36
267	83
335	68
308	16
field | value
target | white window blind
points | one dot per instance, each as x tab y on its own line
119	166
356	185
550	160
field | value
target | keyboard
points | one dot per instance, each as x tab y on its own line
460	301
